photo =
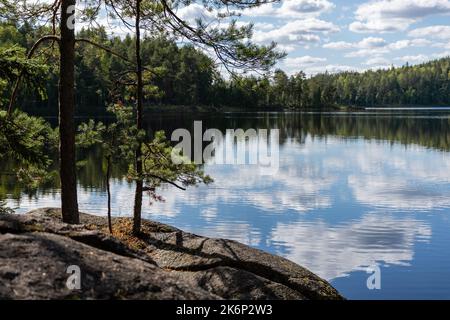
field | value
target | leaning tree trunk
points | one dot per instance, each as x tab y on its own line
139	111
69	202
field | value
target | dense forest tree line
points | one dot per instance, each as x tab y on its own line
183	75
135	84
424	84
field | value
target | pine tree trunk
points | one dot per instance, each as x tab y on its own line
139	116
108	189
69	202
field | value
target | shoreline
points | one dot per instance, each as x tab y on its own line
174	263
158	109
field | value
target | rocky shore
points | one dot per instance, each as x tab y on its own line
36	250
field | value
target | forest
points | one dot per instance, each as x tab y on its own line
48	69
44	61
101	152
183	75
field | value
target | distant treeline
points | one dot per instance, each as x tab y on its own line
183	75
424	84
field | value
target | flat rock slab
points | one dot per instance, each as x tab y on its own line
36	249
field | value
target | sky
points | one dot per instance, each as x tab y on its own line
336	35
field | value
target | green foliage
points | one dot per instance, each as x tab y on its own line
29	140
158	167
183	75
119	140
13	62
4	208
173	74
32	144
425	84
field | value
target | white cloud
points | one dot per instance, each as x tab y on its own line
442	54
373	47
305	60
377	26
371	42
287	47
377	61
312	65
366	47
377	43
413	59
339	45
302	28
291	9
381	67
364	53
295	64
336	68
263	26
196	11
394	192
403	44
334	251
413	187
366	43
264	10
296	32
395	15
301	7
445	45
435	32
331	68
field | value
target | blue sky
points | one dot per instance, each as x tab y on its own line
334	35
338	35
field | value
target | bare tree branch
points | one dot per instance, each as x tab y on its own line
165	180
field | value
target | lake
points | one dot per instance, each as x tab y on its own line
353	190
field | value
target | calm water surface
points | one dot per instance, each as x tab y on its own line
353	190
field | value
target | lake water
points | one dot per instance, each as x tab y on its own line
353	190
